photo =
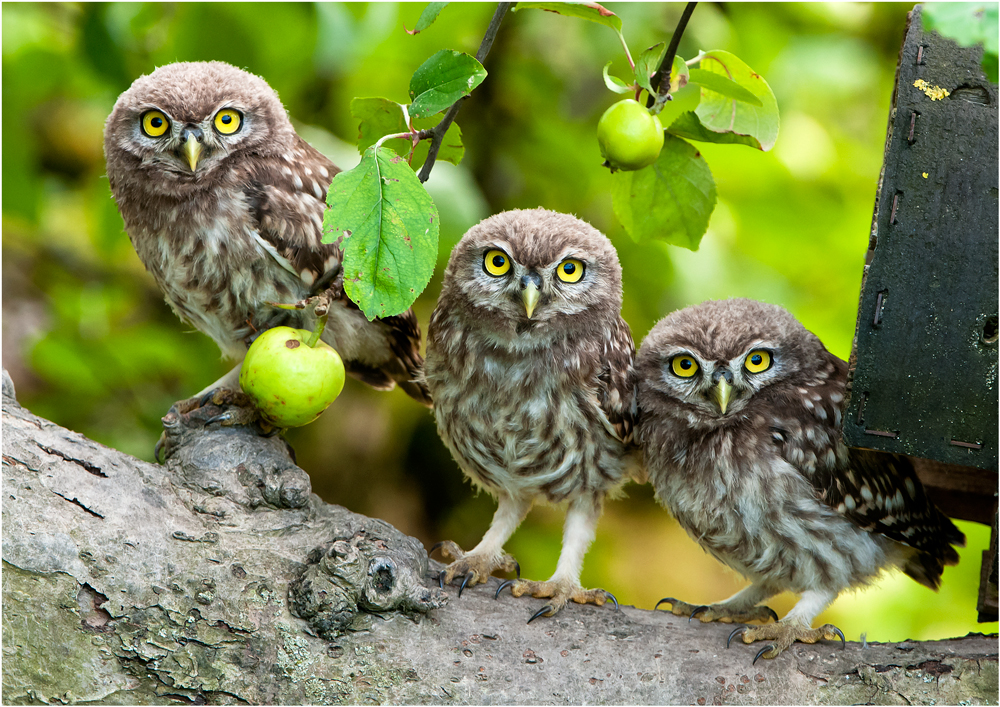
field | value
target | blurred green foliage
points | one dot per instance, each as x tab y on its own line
91	345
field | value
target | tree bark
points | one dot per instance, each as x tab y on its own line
219	578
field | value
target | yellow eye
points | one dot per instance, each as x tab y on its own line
683	366
570	270
228	121
758	361
496	263
154	123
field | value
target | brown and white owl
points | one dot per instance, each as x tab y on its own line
224	202
530	366
740	411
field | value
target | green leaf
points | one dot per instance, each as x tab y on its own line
590	11
427	17
671	200
380	117
688	126
390	228
967	24
442	80
722	114
614	83
721	84
647	64
683	100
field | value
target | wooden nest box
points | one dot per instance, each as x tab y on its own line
923	379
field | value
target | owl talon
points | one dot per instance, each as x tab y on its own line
698	610
434	547
517	568
840	634
664	600
546	610
465	582
612	598
736	632
161	443
503	586
441	579
764	650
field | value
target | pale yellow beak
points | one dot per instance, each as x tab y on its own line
530	295
720	393
192	151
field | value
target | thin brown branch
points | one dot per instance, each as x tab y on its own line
441	128
661	79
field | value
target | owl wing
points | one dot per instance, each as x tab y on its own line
617	381
287	200
879	492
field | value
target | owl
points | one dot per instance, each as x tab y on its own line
223	203
530	366
739	426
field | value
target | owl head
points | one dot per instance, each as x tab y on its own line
526	277
716	361
185	123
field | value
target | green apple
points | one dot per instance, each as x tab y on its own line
290	381
630	138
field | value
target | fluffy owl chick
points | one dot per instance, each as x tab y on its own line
530	366
740	410
224	202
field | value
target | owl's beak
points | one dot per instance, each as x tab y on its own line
192	150
530	292
720	393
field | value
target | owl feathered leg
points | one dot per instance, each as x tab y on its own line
739	608
564	585
476	566
796	626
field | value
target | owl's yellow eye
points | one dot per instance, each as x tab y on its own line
228	121
758	361
683	366
570	270
496	263
154	123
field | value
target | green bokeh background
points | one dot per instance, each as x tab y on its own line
91	345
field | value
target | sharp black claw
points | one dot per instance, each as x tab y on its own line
697	610
441	579
541	612
465	582
761	652
611	597
435	546
517	568
157	448
737	630
219	418
665	600
503	586
843	641
203	400
771	611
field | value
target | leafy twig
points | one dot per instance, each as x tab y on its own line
661	79
441	128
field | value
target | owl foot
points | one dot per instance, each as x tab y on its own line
219	405
473	568
718	612
782	635
558	592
